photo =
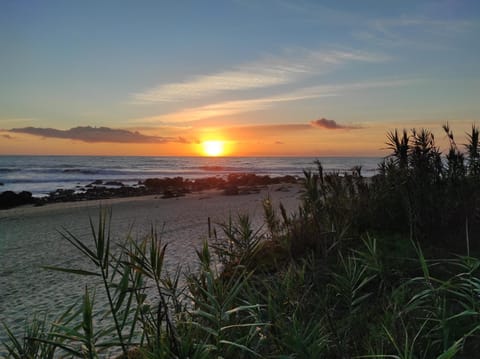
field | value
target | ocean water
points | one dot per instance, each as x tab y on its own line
43	174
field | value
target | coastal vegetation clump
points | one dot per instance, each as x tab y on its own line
382	267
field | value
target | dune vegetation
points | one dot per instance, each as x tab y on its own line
382	267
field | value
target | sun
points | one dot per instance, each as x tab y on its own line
213	148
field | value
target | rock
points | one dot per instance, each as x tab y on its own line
62	195
114	183
25	196
10	199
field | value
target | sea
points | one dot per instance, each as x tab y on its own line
41	175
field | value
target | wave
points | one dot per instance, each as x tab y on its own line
82	171
225	169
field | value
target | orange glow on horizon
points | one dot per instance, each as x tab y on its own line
271	140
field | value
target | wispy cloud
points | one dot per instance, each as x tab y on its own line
270	71
421	24
332	125
275	133
263	130
97	134
200	86
228	108
413	31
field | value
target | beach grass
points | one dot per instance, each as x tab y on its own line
386	267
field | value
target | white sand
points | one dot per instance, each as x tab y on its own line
29	239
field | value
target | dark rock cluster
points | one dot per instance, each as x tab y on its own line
234	184
10	199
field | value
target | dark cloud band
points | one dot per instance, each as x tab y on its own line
331	125
97	134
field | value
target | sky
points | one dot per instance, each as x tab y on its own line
263	77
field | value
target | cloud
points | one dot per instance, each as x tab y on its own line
97	134
415	31
331	125
271	129
200	86
229	108
267	72
422	24
181	139
271	133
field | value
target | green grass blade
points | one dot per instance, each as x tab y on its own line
62	346
13	339
77	243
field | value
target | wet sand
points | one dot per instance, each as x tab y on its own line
29	239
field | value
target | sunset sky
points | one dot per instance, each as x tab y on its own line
273	77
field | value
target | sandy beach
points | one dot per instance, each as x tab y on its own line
29	239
